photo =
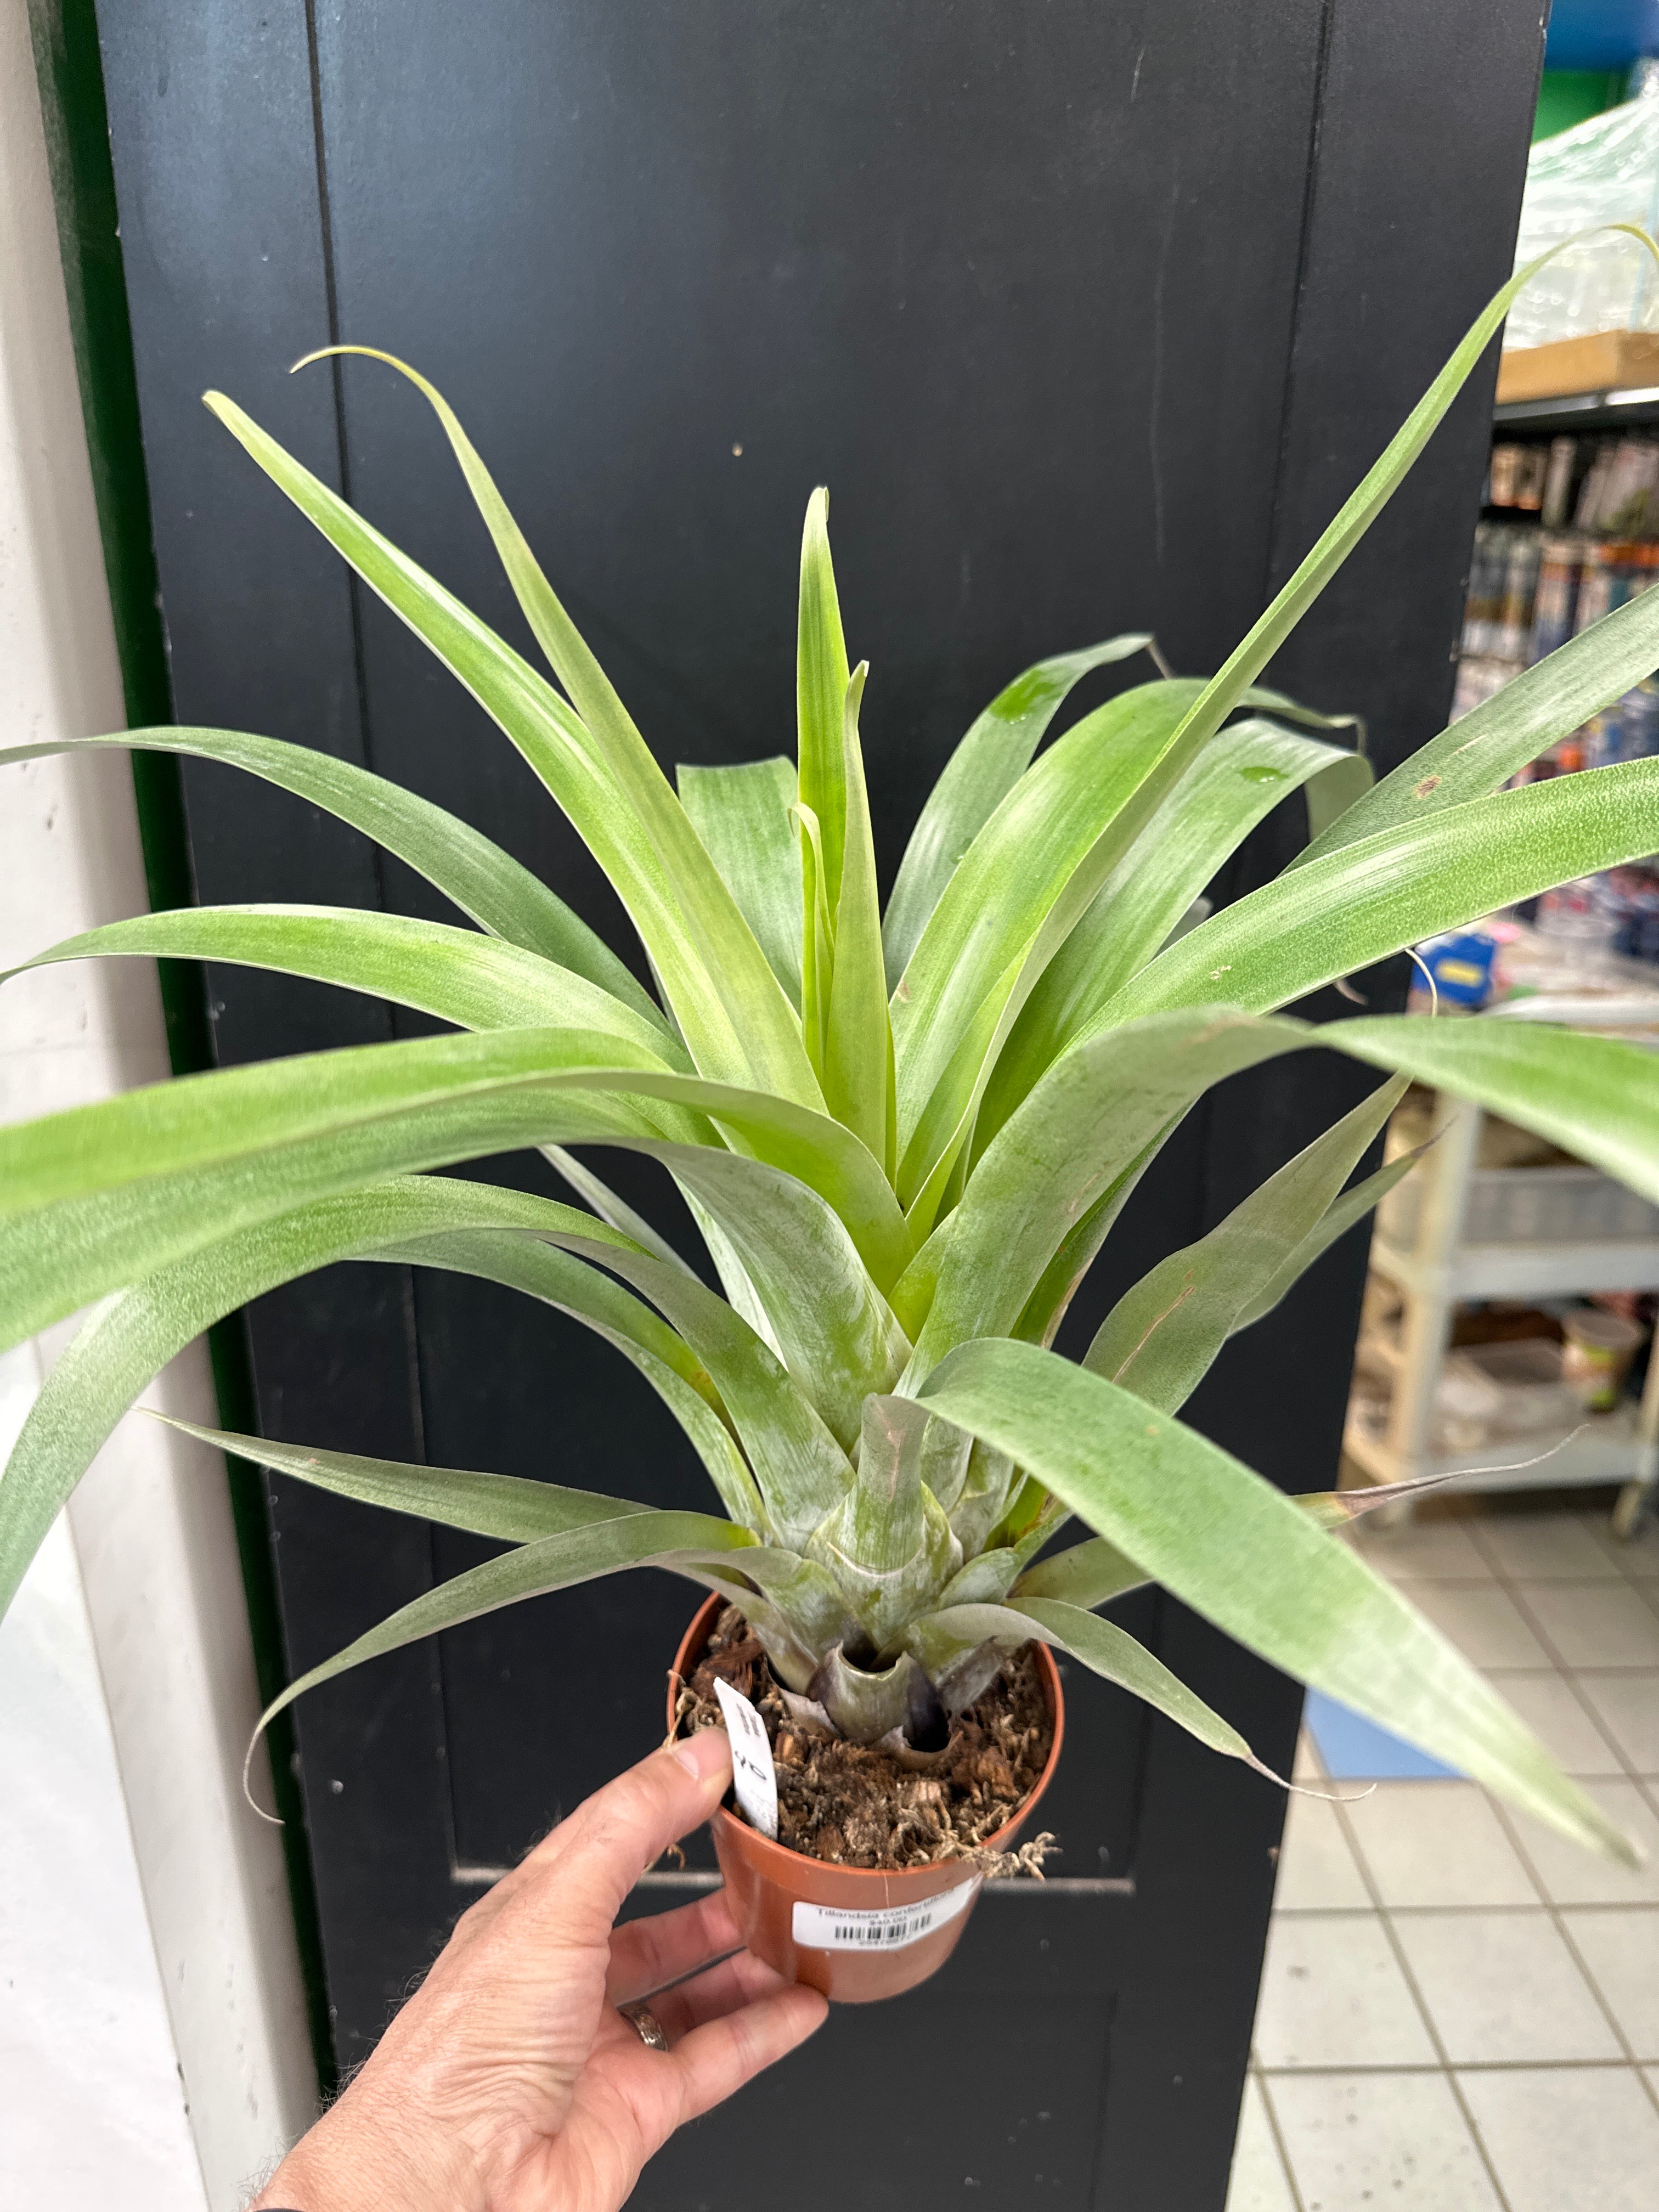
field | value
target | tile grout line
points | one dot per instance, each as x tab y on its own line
1378	2069
1279	2143
1516	1596
1433	2033
1557	1917
1619	1550
1447	1912
1513	1590
1624	1765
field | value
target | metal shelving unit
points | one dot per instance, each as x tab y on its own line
1441	1267
1580	413
1440	1270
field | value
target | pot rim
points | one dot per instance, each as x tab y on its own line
766	1848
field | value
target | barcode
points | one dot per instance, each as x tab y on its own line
889	1928
884	1931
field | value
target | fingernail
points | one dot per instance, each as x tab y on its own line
704	1754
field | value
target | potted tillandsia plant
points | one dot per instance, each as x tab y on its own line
904	1138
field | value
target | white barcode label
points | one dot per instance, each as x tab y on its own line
753	1776
843	1927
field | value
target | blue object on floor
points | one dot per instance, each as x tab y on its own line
1355	1749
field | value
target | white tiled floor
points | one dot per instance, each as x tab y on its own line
1460	2011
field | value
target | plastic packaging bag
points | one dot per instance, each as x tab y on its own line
1606	170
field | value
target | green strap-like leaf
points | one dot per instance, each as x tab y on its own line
559	1279
824	1155
818	958
1238	779
231	1112
477	982
1227	689
808	1597
127	1340
1080	1246
1105	1649
1087	1575
122	1345
981	1580
856	1043
614	1209
1339	786
737	1023
1357	905
1119	807
116	1190
1162	1337
1032	856
983	1512
800	1468
411	1211
1088	1127
791	1662
821	680
137	1181
1339	1217
743	815
486	884
1596	1096
958	1092
505	1506
1093	1572
703	1346
1237	1551
678	1541
837	1332
935	1116
978	776
712	1367
1287	709
1085	1124
888	1543
426	1220
1485	746
930	1122
759	1040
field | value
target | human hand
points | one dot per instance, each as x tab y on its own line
510	2082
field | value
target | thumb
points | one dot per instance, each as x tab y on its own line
607	1842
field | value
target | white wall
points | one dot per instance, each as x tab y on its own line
151	2011
93	2111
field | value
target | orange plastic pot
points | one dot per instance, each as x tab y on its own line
855	1933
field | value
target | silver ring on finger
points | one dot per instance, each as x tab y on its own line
646	2024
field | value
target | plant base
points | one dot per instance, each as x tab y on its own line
866	1933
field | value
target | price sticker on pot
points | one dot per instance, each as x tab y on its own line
843	1928
753	1776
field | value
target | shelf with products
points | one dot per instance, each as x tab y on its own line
1570	530
1510	1287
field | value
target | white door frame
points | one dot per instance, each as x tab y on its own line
151	1523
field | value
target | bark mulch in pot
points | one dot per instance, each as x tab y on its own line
858	1805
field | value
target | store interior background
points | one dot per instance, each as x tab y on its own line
1457	2014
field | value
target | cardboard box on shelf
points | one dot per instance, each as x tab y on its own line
1608	360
